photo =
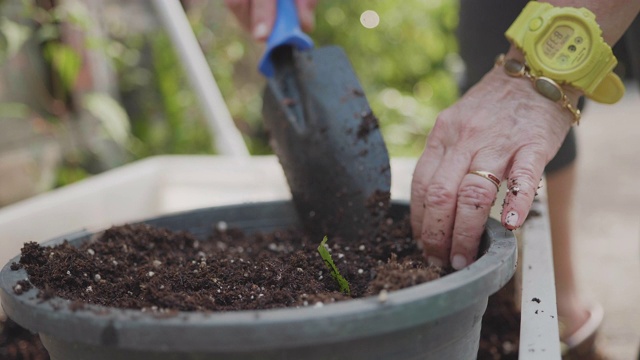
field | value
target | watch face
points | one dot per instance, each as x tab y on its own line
565	46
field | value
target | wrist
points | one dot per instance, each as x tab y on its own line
573	94
515	53
513	67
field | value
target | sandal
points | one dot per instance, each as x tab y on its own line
581	345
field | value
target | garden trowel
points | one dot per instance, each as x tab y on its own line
324	133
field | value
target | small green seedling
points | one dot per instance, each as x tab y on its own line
342	282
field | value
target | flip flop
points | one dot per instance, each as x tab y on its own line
581	345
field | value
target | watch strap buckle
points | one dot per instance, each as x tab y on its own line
609	90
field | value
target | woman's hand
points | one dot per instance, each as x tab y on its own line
258	16
502	126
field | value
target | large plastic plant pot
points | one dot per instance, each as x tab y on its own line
440	319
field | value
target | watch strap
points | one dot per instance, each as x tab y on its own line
609	90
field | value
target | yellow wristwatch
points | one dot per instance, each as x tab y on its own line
565	44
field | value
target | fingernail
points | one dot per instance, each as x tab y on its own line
458	262
512	219
260	31
432	260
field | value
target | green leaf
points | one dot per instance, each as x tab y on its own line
113	117
328	261
15	35
66	61
48	32
73	12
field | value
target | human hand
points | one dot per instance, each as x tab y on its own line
503	126
258	16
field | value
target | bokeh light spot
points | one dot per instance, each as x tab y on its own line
370	19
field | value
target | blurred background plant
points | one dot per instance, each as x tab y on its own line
111	65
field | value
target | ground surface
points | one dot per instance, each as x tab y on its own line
607	218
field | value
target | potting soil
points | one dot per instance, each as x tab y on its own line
154	269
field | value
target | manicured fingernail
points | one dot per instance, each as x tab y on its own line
260	31
512	219
458	262
432	260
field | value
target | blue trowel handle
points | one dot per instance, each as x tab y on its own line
286	31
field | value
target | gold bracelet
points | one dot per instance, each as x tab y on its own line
545	86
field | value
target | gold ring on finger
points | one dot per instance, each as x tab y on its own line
489	176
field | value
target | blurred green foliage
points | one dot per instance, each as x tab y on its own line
233	57
407	65
164	114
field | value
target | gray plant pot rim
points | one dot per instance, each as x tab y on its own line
262	329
